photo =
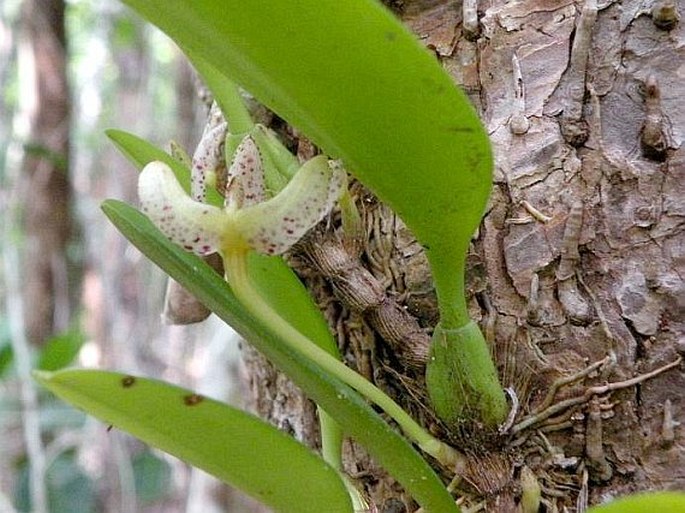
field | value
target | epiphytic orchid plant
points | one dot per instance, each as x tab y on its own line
395	119
250	221
433	144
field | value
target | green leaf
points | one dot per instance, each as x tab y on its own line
663	502
228	443
60	350
355	416
357	82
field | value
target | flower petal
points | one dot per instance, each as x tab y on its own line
208	159
245	183
273	226
194	226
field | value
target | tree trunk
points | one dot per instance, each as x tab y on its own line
580	258
48	220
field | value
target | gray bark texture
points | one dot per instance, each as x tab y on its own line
576	273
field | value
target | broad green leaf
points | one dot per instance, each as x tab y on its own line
357	82
234	446
355	416
661	502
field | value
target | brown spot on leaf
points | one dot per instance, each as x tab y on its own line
193	399
128	381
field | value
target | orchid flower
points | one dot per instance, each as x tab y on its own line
248	219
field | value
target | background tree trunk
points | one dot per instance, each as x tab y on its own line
48	219
580	257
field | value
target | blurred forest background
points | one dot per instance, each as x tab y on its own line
74	292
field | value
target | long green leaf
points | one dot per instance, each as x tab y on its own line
232	445
346	406
661	502
358	83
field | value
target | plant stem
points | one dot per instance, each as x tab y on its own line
237	275
462	379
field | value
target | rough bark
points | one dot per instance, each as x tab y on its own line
48	220
580	258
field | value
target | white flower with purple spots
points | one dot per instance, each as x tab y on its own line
248	219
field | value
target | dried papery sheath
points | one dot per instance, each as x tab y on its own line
569	250
594	449
534	300
668	425
182	307
360	291
575	305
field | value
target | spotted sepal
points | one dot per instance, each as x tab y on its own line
208	161
245	184
273	226
194	226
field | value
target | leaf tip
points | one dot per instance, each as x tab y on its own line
41	376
